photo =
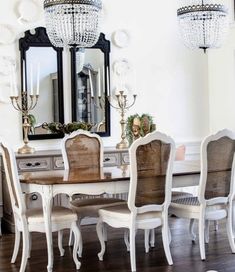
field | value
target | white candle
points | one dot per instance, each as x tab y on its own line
91	84
23	77
108	86
38	76
31	79
99	86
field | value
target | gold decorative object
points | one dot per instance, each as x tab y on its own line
24	105
122	107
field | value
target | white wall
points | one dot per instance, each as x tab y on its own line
171	81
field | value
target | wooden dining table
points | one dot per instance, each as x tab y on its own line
92	181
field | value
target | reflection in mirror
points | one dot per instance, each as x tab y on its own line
89	86
36	50
46	56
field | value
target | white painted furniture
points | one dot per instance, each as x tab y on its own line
27	221
111	180
48	160
216	188
151	165
1	199
83	149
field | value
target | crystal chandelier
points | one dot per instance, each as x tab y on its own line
203	24
73	22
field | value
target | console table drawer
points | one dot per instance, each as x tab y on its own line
111	159
34	164
58	163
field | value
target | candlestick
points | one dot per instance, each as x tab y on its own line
24	104
122	107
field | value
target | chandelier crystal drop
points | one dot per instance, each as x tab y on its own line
203	24
73	22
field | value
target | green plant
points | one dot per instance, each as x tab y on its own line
138	126
56	127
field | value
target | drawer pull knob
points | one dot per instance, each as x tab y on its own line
106	159
29	164
34	197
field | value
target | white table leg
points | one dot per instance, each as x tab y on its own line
47	207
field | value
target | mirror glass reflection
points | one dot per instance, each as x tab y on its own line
47	109
90	88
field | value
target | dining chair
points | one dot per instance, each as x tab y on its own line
216	188
176	194
151	163
83	149
32	220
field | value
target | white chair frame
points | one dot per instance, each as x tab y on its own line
24	225
66	165
201	214
133	223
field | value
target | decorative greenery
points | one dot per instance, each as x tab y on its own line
56	127
138	126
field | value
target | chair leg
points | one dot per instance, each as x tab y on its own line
70	238
100	234
166	243
77	235
152	237
126	239
191	229
16	245
60	242
132	248
201	227
80	243
146	240
105	232
229	226
207	225
25	249
30	245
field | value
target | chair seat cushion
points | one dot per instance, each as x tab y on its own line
89	207
59	214
192	204
122	212
177	195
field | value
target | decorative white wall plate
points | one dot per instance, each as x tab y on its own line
8	35
121	67
29	11
121	38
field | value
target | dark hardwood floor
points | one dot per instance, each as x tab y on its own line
185	254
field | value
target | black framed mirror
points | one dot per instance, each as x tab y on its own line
90	85
36	49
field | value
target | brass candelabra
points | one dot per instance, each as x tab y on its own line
24	105
122	107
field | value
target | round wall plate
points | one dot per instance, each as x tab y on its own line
8	35
121	67
29	11
121	38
